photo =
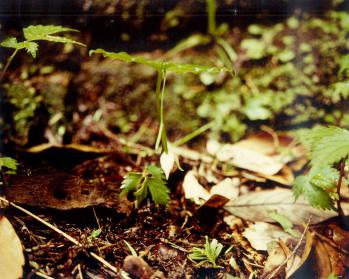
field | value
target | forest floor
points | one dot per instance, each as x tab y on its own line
232	203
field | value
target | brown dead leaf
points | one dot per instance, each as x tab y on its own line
257	153
276	257
327	260
11	254
255	206
281	251
93	182
284	176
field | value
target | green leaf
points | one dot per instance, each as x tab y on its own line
142	192
10	42
255	49
316	196
332	276
255	109
160	65
158	190
326	179
8	163
130	182
189	42
31	48
209	253
39	32
157	185
327	145
96	233
284	222
152	181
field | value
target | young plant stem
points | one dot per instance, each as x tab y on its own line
193	134
341	166
162	131
211	12
9	60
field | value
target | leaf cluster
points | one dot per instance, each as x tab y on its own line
209	253
35	33
152	181
160	65
327	145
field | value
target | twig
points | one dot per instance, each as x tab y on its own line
42	275
68	237
276	270
97	220
104	262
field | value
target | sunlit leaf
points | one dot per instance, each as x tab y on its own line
160	65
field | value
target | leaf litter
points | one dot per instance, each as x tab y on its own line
37	186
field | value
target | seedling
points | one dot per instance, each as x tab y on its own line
329	150
131	249
208	254
151	180
162	68
32	34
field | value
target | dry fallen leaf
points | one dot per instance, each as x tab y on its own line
219	194
248	159
255	206
258	153
193	190
327	260
93	182
11	254
228	188
281	251
260	234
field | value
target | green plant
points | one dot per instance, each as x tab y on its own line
162	68
131	249
8	164
151	181
32	34
223	49
209	253
329	150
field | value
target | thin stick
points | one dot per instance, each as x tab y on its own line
80	272
104	262
71	239
339	184
276	270
67	236
95	214
43	275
